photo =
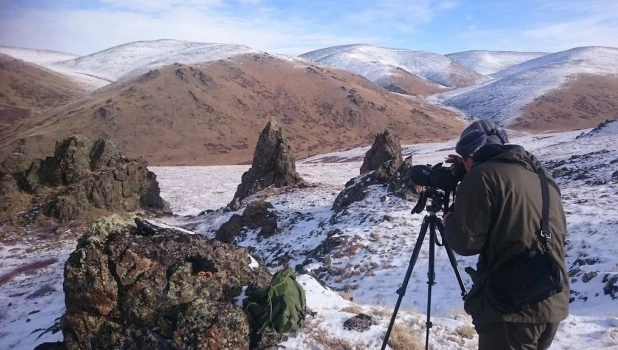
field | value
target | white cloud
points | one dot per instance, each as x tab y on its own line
293	29
91	31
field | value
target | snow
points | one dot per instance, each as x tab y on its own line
139	57
380	64
39	57
49	60
501	100
253	264
28	318
489	62
605	129
381	232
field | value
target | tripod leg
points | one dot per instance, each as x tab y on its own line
431	274
452	259
402	290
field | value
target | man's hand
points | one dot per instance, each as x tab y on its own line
454	160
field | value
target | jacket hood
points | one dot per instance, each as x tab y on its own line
508	154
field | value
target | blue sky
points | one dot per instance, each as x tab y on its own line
298	26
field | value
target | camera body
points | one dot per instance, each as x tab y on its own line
437	176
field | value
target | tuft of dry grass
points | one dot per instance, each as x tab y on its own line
466	331
28	269
330	341
353	309
405	338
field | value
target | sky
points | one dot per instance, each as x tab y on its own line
298	26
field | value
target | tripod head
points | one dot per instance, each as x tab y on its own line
439	201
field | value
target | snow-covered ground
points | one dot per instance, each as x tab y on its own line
381	233
377	63
502	99
378	235
490	62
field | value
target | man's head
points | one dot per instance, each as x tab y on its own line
477	135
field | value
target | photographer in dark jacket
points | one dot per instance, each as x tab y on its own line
497	214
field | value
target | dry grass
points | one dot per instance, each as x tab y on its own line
28	269
347	296
466	331
353	309
330	341
405	338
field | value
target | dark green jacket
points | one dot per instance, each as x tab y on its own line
497	215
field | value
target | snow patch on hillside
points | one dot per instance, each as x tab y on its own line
376	63
138	57
39	57
489	62
501	100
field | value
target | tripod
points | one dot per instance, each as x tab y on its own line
431	222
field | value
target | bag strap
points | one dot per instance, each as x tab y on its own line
544	233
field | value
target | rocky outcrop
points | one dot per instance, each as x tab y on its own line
273	165
81	176
131	286
398	184
257	215
384	153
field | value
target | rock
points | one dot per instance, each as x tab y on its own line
127	287
51	346
360	323
401	184
81	176
589	276
615	175
273	164
560	173
231	229
611	288
257	215
385	149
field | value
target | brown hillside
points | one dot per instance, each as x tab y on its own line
584	102
211	113
26	89
407	83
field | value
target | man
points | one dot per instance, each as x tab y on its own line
497	214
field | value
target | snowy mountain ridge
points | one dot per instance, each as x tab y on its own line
489	62
138	57
502	99
375	63
36	56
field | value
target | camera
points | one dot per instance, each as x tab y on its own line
437	176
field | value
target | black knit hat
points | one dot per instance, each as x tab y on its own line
479	134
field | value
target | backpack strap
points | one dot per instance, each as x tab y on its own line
544	233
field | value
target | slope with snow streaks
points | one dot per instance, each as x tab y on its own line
490	62
376	63
502	99
141	56
39	57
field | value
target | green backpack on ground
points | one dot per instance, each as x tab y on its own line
282	306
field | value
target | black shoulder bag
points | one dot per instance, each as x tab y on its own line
533	275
